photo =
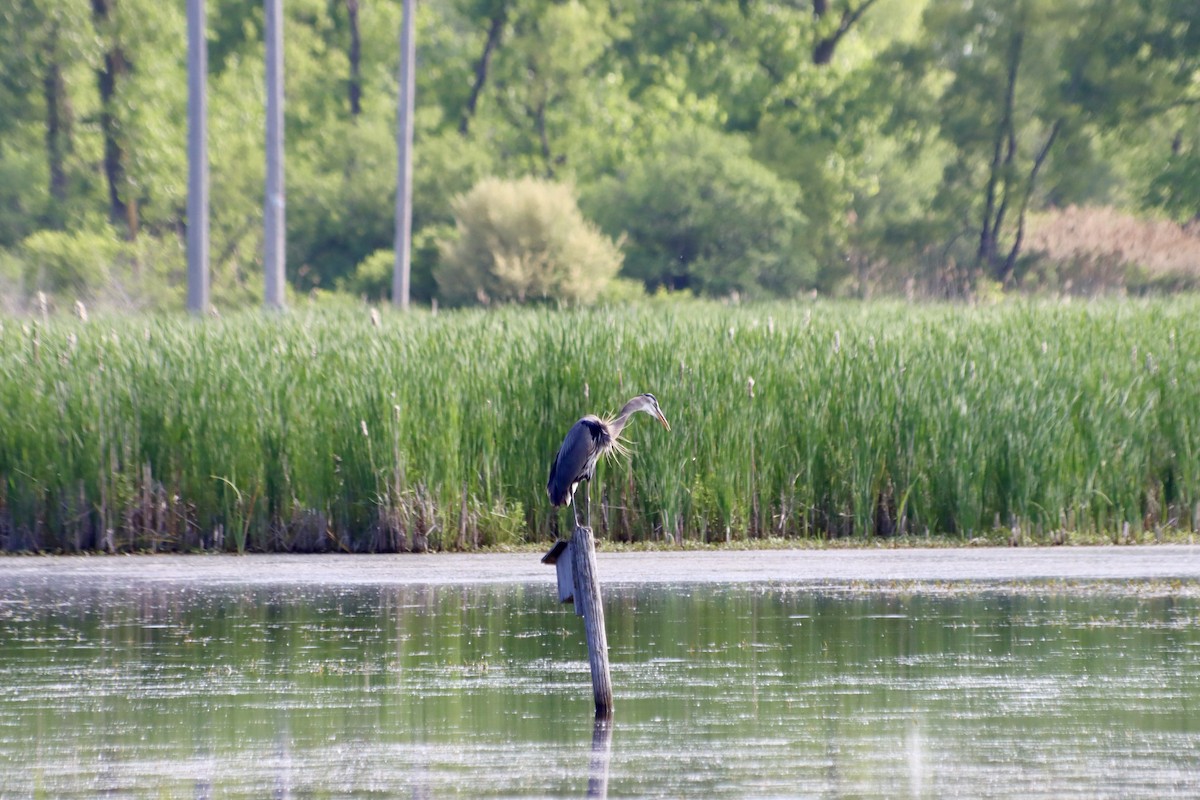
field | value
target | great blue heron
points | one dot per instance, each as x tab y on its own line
588	439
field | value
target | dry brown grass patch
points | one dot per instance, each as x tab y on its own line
1099	249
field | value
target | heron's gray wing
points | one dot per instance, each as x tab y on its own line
572	462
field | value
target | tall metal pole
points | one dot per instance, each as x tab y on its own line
404	143
197	204
274	225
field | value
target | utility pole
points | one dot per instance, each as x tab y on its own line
197	204
404	143
274	220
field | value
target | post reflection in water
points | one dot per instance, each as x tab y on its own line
471	691
602	732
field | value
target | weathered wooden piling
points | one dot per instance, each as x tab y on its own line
577	559
587	599
561	558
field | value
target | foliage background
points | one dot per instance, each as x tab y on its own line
762	148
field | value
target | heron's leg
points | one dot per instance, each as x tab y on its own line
575	508
587	514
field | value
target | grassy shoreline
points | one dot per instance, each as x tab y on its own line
336	430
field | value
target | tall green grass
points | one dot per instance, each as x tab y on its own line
318	429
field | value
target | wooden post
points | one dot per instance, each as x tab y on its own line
575	565
560	557
587	602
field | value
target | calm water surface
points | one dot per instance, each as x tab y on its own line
787	691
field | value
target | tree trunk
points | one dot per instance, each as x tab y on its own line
355	60
987	234
58	124
1007	186
1010	263
495	31
1003	154
123	211
539	122
825	46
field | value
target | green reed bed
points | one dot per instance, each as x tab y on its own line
320	430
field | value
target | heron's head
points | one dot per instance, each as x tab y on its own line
649	404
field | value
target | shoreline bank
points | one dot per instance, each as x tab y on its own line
815	568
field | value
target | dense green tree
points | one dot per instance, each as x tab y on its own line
548	82
1176	186
45	50
141	111
757	146
699	213
1010	84
790	76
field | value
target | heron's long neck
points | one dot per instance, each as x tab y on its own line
617	425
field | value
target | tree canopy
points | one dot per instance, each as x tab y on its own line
764	148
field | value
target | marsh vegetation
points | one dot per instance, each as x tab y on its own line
340	430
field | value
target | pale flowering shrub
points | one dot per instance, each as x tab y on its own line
523	240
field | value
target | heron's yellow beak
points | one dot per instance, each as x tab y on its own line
663	420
